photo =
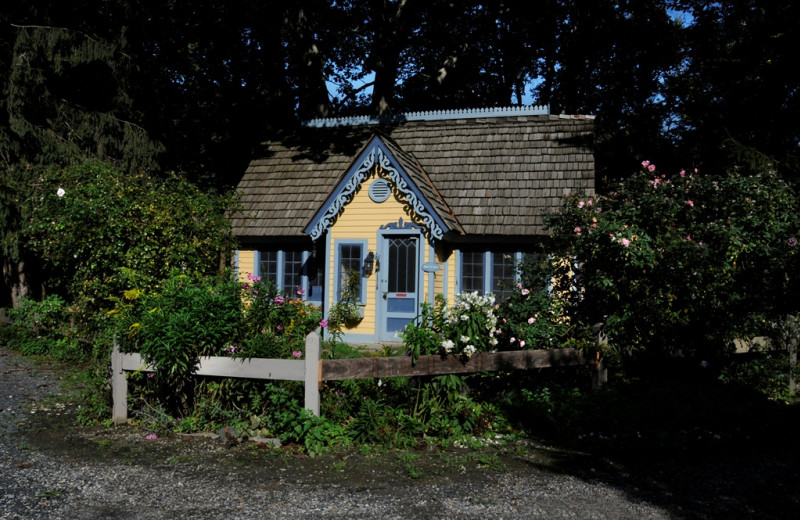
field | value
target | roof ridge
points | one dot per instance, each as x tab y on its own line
432	115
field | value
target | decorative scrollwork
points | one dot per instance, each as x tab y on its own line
434	230
345	196
376	156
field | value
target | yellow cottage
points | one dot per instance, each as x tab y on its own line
411	206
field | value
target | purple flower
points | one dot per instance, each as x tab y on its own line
297	354
278	299
300	291
323	323
792	242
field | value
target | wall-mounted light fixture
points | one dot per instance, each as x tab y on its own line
369	263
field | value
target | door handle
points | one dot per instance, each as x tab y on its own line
384	295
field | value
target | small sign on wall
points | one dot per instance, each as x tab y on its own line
430	267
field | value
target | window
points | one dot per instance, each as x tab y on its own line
489	272
269	267
349	258
472	271
504	275
293	270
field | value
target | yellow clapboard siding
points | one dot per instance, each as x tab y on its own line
360	220
247	263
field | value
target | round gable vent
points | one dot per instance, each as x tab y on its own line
379	190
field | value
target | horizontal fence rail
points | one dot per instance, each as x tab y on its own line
313	370
362	368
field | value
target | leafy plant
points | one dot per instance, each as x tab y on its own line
679	265
44	328
466	327
346	311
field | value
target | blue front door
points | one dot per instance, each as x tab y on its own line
398	288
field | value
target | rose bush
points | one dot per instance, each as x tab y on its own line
678	265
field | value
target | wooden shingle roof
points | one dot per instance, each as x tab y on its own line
491	175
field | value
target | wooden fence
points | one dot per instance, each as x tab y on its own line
313	370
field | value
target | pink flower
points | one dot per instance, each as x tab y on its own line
323	324
152	437
589	202
531	321
626	242
580	204
690	203
645	164
300	291
297	354
577	230
683	173
792	242
512	340
689	237
525	292
651	168
522	343
279	327
278	299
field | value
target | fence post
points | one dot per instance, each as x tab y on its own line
312	373
119	387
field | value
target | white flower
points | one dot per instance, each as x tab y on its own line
464	317
61	192
464	339
447	345
469	350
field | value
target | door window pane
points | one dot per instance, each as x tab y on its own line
402	265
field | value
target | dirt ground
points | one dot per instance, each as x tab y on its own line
754	481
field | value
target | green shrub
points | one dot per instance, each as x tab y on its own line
680	265
44	328
99	231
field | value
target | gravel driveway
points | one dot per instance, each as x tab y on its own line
53	469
